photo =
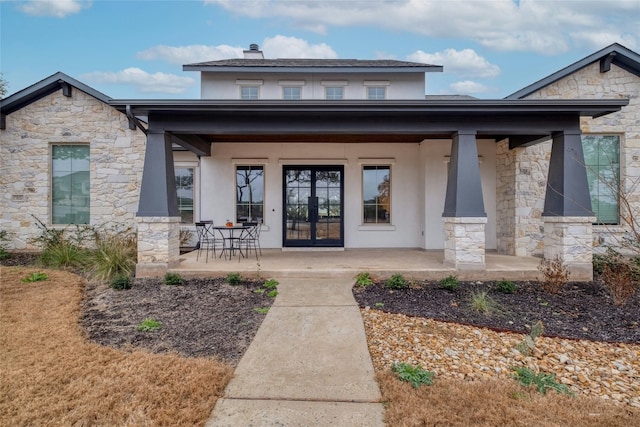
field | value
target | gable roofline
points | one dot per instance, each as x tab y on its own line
613	54
45	87
311	65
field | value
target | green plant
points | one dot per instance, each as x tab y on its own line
271	284
483	303
506	286
120	282
555	274
378	305
115	255
35	277
542	381
449	283
234	279
364	279
65	255
259	291
272	293
3	239
413	374
526	346
262	310
173	279
149	325
396	281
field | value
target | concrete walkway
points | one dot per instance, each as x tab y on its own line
308	364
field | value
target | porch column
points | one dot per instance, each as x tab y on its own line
464	215
158	216
567	215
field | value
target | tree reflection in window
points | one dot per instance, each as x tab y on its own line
376	191
249	194
184	189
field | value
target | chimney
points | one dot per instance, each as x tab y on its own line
254	52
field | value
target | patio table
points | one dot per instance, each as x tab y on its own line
231	236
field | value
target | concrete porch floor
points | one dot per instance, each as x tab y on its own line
382	263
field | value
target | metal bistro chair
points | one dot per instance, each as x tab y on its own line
251	237
206	239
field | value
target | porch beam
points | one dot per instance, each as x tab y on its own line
464	189
567	187
194	143
158	197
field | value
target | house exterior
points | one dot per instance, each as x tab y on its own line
325	153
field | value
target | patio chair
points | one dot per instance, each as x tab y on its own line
206	239
251	237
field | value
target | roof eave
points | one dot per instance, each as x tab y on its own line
289	69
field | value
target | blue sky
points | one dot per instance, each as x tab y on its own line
136	49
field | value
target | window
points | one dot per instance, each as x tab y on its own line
184	188
70	184
249	194
376	194
602	160
334	92
376	92
249	92
291	93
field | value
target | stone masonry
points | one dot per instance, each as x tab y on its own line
521	174
464	245
570	240
116	158
158	245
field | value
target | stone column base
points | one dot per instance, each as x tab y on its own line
464	245
158	245
571	239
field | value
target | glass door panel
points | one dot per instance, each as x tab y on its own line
313	204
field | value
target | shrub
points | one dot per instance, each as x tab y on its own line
364	279
121	282
397	281
555	275
234	279
542	381
271	284
115	255
149	325
173	279
65	255
272	293
3	250
413	374
619	276
35	277
449	283
506	286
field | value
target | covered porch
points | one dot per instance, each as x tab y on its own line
379	263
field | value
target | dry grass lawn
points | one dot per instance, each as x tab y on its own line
51	375
493	403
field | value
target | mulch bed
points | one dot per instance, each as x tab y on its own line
579	311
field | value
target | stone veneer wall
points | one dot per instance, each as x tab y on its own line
116	161
464	244
524	170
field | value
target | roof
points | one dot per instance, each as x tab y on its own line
311	65
46	87
614	54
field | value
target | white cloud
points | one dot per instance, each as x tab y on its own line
464	62
56	8
190	54
543	26
467	87
293	47
142	81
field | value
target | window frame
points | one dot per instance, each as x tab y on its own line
237	203
332	97
251	97
194	184
52	203
598	168
376	88
378	204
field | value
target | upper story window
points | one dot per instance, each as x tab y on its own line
70	193
185	190
291	93
334	92
376	92
602	161
249	92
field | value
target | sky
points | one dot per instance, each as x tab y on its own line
136	49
